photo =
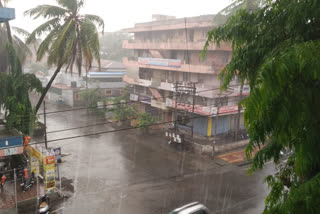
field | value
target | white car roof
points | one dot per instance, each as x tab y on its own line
192	209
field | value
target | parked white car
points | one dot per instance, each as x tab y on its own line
192	208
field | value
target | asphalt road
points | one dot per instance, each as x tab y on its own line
122	172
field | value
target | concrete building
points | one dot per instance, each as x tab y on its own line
66	87
167	50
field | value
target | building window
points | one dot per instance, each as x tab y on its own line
139	89
108	92
76	96
121	91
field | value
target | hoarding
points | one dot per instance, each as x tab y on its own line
176	63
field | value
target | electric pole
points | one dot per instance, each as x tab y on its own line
193	104
45	124
237	126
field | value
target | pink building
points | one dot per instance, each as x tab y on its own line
167	50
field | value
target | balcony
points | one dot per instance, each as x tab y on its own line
201	69
6	14
202	90
173	45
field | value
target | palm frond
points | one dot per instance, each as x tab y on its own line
96	19
21	48
45	27
89	35
72	5
45	44
21	31
59	45
46	11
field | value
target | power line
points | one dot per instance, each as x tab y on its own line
27	124
114	104
80	127
116	130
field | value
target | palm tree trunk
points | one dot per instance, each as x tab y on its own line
45	91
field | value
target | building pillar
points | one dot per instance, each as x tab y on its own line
172	116
209	128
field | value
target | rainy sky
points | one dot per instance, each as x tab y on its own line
119	14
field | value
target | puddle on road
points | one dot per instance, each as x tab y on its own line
67	184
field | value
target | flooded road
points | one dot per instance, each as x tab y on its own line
122	172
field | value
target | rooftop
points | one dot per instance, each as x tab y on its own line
203	21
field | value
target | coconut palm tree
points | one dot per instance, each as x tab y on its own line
19	45
71	37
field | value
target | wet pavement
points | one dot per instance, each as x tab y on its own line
122	172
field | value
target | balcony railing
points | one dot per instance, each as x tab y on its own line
202	69
171	45
209	92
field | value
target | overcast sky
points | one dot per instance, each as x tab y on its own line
120	14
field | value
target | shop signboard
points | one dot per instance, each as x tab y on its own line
11	151
57	153
50	185
176	63
134	97
159	104
228	109
198	109
34	165
50	160
245	90
145	99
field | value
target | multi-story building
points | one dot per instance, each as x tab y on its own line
166	51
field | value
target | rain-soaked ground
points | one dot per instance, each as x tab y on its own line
121	172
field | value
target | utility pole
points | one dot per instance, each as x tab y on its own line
45	124
193	104
216	125
175	106
237	125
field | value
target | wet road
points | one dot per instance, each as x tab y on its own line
121	172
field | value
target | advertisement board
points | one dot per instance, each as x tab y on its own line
50	160
176	63
35	165
57	153
198	109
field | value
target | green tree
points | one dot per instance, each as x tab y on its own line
91	97
22	50
276	49
145	119
71	37
121	110
14	97
111	46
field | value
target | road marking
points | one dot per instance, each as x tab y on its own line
57	210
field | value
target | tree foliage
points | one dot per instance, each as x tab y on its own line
144	120
14	97
91	97
21	48
71	38
276	49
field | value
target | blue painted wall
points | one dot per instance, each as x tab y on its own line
12	142
222	126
